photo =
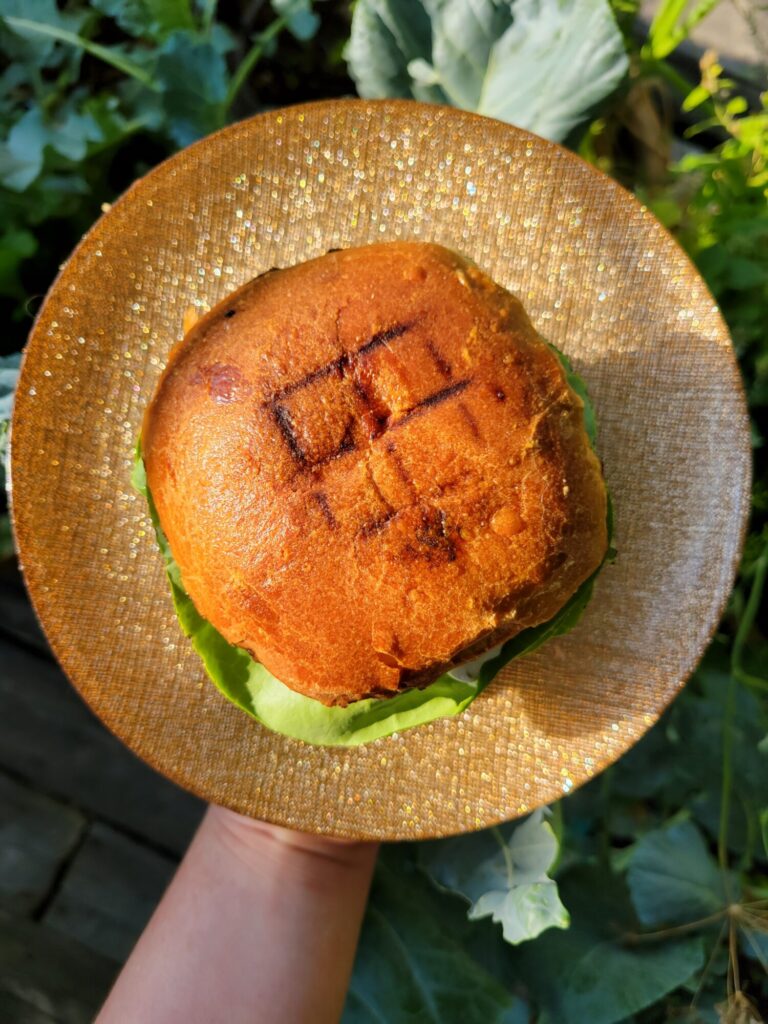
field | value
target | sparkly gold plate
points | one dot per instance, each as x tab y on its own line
600	278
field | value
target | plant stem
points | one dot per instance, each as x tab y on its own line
116	60
681	929
507	855
207	15
251	58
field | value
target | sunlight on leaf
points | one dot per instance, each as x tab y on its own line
539	64
503	878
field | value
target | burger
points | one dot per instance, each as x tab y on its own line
373	484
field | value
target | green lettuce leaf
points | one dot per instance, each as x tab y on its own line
256	691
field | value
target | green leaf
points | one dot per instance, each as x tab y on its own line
69	133
696	97
539	64
23	44
669	28
523	911
31	30
387	36
148	18
673	878
301	20
592	972
192	77
504	878
764	827
411	970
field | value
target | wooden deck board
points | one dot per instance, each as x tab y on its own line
50	739
51	974
109	892
37	835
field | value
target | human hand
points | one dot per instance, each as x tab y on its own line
259	924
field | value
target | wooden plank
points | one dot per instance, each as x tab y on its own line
50	973
50	738
36	836
18	1011
109	892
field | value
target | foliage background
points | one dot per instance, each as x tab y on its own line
642	897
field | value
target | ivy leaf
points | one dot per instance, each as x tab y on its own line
302	21
23	155
591	972
192	76
503	878
673	878
539	64
410	968
35	48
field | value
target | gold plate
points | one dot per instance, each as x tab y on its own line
600	278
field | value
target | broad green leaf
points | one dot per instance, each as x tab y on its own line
192	77
302	21
523	911
502	876
539	64
387	37
34	47
673	878
592	972
68	133
410	969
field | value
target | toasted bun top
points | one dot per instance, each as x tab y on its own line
370	467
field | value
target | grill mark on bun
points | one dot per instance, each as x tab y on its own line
321	498
319	373
341	363
384	337
433	537
471	421
374	526
284	422
439	360
399	467
437	398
